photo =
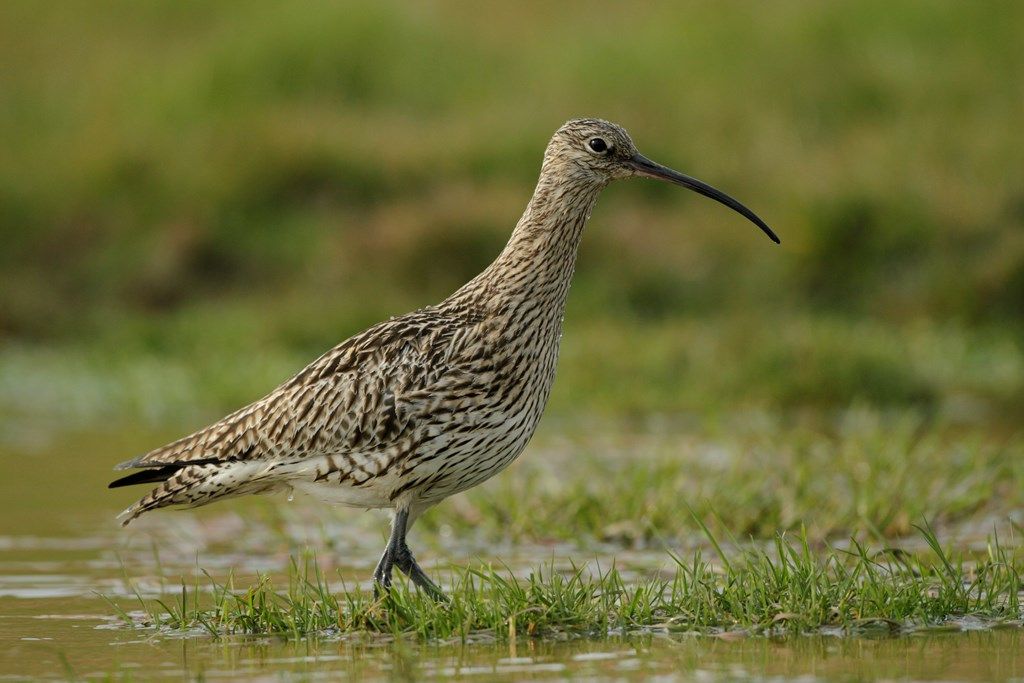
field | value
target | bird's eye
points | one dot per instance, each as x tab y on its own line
598	145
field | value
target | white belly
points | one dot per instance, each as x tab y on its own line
349	496
374	493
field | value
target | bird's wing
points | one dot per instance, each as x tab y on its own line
361	396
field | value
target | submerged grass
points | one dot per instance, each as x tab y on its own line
782	587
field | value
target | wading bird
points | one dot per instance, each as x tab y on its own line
427	404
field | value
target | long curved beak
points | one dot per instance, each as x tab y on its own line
645	167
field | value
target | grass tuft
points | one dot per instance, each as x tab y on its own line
780	587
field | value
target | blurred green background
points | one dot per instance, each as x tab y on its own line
197	198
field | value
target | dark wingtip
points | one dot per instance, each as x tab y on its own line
152	476
153	472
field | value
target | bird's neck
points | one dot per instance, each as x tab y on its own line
535	268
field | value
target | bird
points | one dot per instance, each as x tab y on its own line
431	403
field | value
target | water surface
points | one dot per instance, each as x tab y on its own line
60	549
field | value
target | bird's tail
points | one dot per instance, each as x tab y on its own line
194	483
175	481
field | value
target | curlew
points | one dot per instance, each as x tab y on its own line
427	404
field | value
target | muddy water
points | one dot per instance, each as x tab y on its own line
60	549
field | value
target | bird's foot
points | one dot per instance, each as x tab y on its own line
382	574
408	565
397	554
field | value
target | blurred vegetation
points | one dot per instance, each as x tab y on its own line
209	194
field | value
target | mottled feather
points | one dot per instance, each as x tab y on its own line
426	404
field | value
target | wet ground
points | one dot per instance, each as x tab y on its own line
61	552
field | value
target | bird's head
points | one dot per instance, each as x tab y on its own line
597	151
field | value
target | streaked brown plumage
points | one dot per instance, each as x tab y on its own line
430	403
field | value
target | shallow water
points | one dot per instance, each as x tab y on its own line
60	549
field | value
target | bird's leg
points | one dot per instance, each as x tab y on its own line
397	554
382	574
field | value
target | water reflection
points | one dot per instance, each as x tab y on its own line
990	655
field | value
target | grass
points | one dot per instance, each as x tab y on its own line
868	475
795	491
195	202
784	587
